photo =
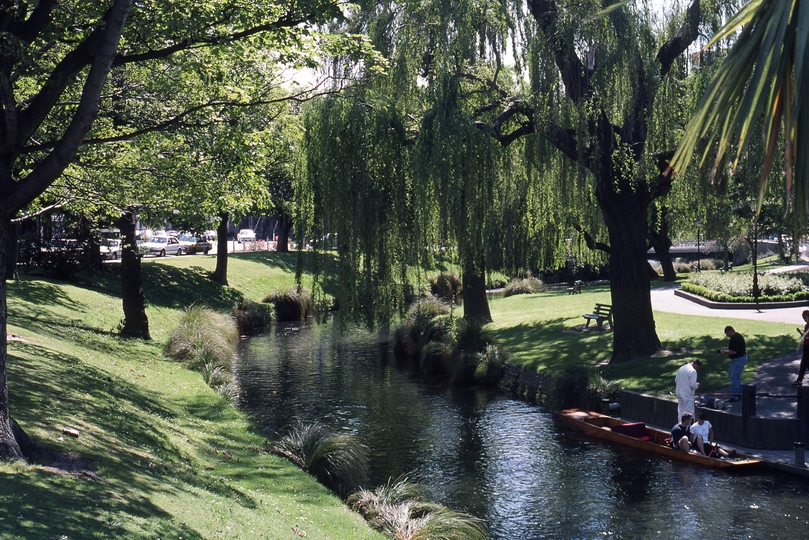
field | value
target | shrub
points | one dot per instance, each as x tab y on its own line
203	337
252	316
580	387
291	304
738	286
527	285
447	286
400	511
418	328
338	460
489	366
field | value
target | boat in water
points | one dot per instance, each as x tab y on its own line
640	436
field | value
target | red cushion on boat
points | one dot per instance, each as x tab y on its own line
632	429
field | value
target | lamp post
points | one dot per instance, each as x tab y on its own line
699	224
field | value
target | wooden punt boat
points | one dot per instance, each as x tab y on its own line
643	437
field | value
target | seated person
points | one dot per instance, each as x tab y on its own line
681	433
702	438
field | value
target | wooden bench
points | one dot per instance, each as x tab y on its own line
601	313
576	288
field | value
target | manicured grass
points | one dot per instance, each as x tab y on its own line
174	460
540	331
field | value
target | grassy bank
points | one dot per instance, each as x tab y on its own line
172	459
540	331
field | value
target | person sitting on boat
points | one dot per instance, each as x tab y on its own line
681	433
702	438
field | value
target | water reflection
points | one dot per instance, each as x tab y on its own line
504	460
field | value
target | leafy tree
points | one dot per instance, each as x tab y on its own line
579	108
766	75
54	79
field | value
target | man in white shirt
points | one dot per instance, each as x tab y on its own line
686	381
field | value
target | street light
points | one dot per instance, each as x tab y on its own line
699	224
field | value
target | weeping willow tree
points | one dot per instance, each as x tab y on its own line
571	160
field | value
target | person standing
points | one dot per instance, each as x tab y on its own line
737	352
686	386
805	342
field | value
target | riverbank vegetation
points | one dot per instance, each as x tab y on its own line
159	453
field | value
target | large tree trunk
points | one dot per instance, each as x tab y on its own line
9	447
475	303
634	335
136	323
11	252
282	228
220	274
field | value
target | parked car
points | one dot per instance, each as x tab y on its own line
246	235
110	249
194	244
162	246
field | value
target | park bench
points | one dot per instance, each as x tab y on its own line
601	313
575	288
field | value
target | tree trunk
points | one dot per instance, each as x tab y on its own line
220	274
663	253
634	335
283	228
475	303
9	447
11	252
136	323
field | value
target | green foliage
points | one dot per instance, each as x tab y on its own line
527	285
399	510
447	286
252	316
738	286
291	303
203	337
580	387
454	348
337	460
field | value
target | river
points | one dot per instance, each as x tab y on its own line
504	460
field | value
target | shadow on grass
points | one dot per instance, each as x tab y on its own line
127	433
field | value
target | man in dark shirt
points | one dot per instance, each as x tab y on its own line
681	433
737	352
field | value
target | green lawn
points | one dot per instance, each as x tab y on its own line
539	331
175	460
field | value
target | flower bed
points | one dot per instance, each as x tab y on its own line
738	286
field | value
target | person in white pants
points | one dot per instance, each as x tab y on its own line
686	381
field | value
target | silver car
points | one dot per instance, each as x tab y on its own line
162	246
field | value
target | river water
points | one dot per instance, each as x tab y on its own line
506	461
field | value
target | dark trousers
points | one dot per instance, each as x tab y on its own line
804	363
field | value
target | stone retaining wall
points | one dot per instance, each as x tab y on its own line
733	429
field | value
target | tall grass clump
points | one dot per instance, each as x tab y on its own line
338	460
205	341
419	327
447	286
526	285
580	387
201	337
291	303
454	348
252	316
399	510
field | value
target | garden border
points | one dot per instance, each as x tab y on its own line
737	305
